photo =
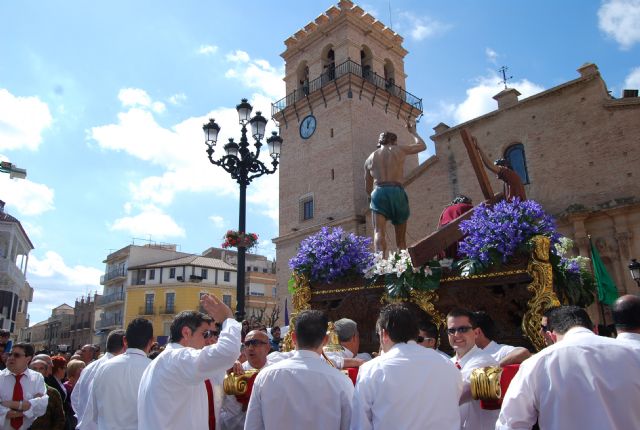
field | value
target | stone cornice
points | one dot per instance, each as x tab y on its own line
333	16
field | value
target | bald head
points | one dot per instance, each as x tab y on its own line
256	348
626	313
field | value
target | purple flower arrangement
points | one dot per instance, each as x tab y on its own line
496	233
331	254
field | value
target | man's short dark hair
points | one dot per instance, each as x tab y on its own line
399	322
486	324
139	333
115	341
564	318
311	328
626	312
191	319
460	198
26	347
429	328
502	162
4	332
458	312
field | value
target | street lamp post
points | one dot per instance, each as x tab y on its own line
244	166
634	268
13	170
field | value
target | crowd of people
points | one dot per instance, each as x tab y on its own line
579	381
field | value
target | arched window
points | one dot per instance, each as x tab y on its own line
328	65
515	155
389	73
366	61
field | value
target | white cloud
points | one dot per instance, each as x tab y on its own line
217	220
420	28
238	57
633	79
177	99
264	193
480	97
151	221
54	266
22	121
136	97
620	19
492	55
207	49
257	74
29	198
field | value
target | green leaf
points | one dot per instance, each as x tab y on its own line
291	285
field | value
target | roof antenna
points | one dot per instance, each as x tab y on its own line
390	20
505	78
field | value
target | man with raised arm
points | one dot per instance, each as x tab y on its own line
172	391
384	174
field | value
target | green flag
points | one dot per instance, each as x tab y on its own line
607	291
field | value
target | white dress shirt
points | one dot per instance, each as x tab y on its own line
498	351
172	392
302	392
472	416
631	338
114	394
583	382
409	387
81	392
32	385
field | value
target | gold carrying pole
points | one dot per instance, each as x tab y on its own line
485	383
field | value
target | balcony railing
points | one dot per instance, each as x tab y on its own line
147	310
167	310
348	67
112	274
110	298
109	321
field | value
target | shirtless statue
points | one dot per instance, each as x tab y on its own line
513	186
384	173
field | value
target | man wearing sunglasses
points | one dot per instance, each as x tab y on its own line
173	393
319	394
462	332
22	390
256	348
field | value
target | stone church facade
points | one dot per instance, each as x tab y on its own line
345	84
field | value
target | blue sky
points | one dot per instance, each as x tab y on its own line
103	104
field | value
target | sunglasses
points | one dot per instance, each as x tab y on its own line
16	355
210	333
421	339
462	330
254	342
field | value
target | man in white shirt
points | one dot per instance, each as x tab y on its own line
503	354
428	337
462	332
408	387
319	394
257	347
349	338
583	381
82	390
626	315
115	386
22	404
172	391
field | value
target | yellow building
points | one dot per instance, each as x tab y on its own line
159	291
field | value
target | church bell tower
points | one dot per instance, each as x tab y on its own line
345	84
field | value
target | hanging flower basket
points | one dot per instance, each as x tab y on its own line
238	239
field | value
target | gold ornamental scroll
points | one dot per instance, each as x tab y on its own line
301	301
541	287
425	300
485	383
236	385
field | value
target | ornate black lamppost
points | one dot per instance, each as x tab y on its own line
241	161
634	268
